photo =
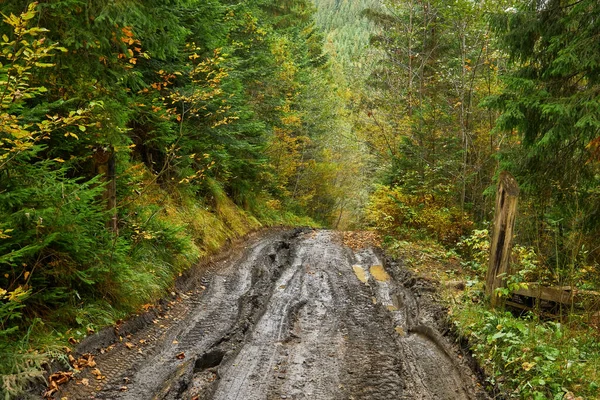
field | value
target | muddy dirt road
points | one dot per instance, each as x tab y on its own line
293	315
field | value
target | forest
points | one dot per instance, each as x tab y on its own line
138	137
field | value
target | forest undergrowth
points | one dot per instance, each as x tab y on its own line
524	355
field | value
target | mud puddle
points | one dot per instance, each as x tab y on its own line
295	315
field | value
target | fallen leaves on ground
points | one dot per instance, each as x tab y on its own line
54	381
106	350
357	240
86	360
96	372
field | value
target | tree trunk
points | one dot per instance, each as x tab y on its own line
104	164
501	245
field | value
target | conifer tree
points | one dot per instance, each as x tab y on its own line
551	102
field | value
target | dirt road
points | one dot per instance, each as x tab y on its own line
293	315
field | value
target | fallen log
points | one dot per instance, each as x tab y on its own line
566	296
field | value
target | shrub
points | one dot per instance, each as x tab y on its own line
396	213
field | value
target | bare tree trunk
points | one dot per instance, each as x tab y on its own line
501	245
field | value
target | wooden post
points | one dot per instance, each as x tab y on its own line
502	235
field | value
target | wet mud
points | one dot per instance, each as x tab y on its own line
292	315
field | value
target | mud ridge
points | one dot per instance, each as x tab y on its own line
444	334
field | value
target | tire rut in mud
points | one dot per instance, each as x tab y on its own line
296	315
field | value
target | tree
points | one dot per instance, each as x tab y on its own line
424	110
551	103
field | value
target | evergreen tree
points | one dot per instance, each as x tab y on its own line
551	102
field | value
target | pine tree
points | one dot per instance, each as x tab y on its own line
551	102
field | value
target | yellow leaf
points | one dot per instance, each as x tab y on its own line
60	160
26	274
16	294
28	15
528	365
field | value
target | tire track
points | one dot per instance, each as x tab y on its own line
296	316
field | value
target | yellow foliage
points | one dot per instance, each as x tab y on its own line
17	60
274	204
284	58
292	120
18	294
285	152
392	211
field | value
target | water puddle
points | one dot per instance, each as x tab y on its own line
360	273
379	273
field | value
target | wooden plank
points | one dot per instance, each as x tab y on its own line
501	244
517	305
561	294
525	307
554	294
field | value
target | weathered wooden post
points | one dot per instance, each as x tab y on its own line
502	235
